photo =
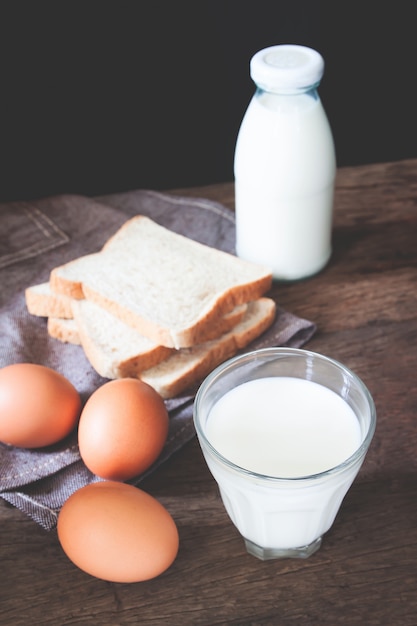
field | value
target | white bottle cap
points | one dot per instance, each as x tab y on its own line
286	66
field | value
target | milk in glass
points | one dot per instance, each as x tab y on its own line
283	428
284	432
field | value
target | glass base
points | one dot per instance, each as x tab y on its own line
266	554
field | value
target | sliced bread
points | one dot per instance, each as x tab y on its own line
66	330
185	368
166	286
42	301
114	349
181	369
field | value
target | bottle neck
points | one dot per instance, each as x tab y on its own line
310	90
287	102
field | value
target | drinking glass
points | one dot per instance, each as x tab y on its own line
281	517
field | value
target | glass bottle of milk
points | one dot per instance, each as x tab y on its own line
285	166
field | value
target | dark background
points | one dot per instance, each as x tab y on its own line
103	96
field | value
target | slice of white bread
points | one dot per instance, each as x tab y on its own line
185	368
167	286
66	330
114	349
42	301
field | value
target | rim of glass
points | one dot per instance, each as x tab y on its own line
257	354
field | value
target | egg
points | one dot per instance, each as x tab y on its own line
122	429
117	532
38	406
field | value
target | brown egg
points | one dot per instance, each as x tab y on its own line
122	429
117	532
38	406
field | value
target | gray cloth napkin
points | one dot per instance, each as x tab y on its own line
34	238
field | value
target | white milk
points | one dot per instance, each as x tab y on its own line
286	428
285	168
283	427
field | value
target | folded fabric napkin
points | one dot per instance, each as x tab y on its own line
36	237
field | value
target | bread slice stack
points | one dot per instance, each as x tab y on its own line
155	305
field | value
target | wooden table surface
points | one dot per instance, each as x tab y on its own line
365	306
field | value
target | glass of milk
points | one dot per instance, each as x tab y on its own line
284	433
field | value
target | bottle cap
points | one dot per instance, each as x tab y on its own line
286	67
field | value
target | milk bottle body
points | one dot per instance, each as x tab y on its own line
285	170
